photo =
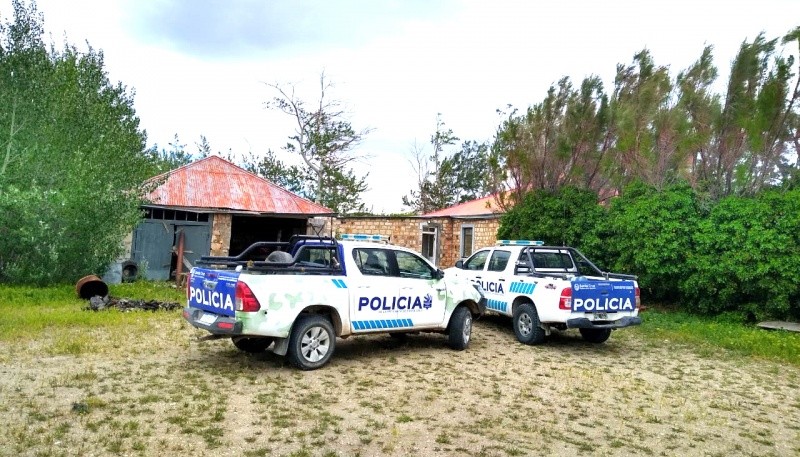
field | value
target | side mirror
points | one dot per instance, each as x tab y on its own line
439	274
460	264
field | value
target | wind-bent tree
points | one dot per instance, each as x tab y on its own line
73	157
660	131
324	139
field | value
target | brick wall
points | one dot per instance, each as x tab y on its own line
407	232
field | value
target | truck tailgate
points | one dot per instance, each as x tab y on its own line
213	291
593	296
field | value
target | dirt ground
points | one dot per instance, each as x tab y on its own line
160	392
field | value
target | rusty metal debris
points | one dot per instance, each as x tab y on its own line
98	303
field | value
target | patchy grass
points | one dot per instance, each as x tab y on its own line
138	383
742	339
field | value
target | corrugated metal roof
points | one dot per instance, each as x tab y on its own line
480	207
213	182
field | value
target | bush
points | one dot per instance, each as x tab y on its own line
747	257
566	217
649	233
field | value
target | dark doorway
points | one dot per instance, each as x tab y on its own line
246	230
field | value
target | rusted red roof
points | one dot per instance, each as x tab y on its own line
215	183
485	206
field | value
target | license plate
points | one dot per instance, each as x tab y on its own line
207	319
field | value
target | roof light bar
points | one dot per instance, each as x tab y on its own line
362	237
519	243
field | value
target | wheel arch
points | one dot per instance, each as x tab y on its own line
521	300
325	310
469	304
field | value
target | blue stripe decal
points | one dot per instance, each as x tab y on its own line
339	283
381	324
522	288
497	305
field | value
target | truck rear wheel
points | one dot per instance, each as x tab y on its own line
252	345
526	325
595	335
460	328
312	342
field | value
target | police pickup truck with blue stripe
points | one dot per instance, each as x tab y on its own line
551	287
295	298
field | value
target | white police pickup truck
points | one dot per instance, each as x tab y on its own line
551	287
297	297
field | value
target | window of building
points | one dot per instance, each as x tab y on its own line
466	241
429	235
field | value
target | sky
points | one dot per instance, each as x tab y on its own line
203	67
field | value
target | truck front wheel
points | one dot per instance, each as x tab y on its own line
460	329
595	335
526	324
311	342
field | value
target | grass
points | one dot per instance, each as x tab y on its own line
31	311
743	339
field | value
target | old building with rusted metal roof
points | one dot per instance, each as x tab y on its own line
213	207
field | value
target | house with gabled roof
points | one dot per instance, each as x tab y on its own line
213	207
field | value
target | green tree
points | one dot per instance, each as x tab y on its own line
324	140
269	166
73	157
446	179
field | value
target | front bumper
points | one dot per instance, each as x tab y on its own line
582	322
222	325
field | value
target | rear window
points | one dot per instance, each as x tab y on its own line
550	260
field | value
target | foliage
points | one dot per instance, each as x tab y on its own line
650	234
73	157
324	140
444	180
564	217
659	130
746	257
721	332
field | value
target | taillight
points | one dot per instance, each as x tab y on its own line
638	299
245	299
565	302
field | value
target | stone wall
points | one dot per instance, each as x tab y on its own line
407	232
221	234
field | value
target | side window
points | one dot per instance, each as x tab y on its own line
499	260
374	262
477	261
411	266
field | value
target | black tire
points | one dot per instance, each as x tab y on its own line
595	335
252	345
527	325
460	329
312	342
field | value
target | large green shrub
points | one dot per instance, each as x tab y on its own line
72	158
747	257
567	217
649	233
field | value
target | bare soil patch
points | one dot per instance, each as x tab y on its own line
159	392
